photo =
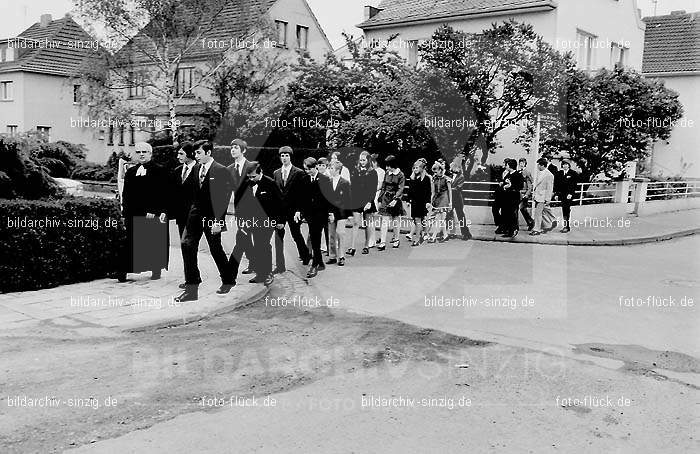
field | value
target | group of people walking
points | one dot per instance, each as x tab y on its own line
325	194
517	189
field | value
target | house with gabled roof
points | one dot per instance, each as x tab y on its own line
599	33
672	54
37	82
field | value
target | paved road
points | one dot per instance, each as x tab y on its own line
550	296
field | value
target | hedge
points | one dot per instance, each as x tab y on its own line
78	241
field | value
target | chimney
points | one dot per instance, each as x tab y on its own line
370	12
45	20
679	12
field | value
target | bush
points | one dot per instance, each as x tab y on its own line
80	244
22	175
94	172
59	158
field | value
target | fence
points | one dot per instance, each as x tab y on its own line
668	190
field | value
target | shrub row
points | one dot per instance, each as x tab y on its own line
57	242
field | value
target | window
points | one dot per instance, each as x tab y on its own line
281	33
7	54
76	94
44	132
12	130
132	135
184	82
618	55
413	52
121	135
6	90
585	43
302	37
135	86
110	137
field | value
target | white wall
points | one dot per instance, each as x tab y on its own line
12	112
297	12
683	147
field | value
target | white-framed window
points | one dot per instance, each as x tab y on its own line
44	132
12	130
281	33
135	86
7	53
184	81
6	90
76	94
302	37
618	55
586	44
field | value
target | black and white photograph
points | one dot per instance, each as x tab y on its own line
349	226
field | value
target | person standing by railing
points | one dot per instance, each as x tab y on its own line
566	190
526	193
542	192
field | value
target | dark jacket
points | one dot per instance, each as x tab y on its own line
314	205
182	194
237	179
147	193
292	191
567	184
516	185
364	187
262	209
214	195
340	198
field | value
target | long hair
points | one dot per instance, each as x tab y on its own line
368	157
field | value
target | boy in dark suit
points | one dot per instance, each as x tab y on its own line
566	191
207	217
259	215
314	208
184	184
239	172
289	180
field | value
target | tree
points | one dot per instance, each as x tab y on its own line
503	77
159	37
610	119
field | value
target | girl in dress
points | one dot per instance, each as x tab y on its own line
419	196
390	204
364	189
441	203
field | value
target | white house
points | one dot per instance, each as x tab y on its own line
672	54
600	33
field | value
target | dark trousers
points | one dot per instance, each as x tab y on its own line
261	252
566	209
458	205
244	245
497	208
190	244
295	229
509	213
316	227
525	211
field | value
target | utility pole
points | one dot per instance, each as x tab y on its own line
656	5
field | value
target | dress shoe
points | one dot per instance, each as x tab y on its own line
552	227
565	230
341	261
279	270
351	252
225	288
257	280
381	246
121	277
306	261
499	230
247	271
313	272
155	275
331	261
269	280
535	233
365	250
191	294
530	227
321	267
467	236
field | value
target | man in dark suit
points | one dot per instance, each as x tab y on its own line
207	217
314	208
566	188
340	199
512	185
497	206
259	215
239	172
184	186
290	181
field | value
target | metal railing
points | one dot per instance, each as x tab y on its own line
593	193
667	190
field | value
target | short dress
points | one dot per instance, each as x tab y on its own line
441	196
392	189
364	189
419	196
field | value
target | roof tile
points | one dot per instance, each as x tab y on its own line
672	43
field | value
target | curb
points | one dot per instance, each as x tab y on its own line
605	242
257	293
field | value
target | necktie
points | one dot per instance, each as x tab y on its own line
285	175
202	175
184	173
238	169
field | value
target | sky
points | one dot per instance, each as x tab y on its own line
335	16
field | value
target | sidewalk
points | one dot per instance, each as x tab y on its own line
105	307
